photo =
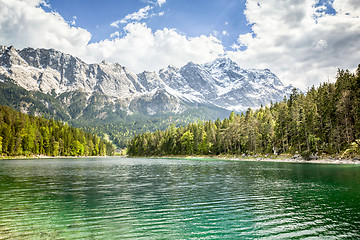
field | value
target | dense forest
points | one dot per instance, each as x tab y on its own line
324	120
22	134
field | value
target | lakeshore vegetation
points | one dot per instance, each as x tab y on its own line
324	120
25	135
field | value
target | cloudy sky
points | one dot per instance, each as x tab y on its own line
304	42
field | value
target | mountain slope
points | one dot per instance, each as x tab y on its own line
221	84
224	84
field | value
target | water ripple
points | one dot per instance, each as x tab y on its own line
174	199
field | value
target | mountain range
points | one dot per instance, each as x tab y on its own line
219	84
57	85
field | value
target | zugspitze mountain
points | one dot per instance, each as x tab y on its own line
219	84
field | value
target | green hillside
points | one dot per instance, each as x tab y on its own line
22	134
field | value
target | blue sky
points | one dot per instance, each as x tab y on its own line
223	18
303	42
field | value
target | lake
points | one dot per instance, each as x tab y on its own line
134	198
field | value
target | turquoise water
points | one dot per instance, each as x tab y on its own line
120	198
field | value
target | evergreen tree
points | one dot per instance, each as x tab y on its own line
21	134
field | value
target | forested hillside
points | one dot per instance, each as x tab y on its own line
324	120
22	134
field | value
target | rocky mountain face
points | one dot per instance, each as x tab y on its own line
221	84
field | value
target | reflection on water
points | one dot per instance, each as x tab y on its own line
119	198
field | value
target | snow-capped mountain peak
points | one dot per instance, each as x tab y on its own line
221	83
222	63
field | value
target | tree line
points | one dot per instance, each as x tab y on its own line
123	129
22	134
324	120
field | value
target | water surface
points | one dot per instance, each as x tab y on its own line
121	198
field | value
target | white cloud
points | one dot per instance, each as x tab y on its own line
245	39
117	23
321	44
115	35
24	24
45	3
225	33
287	39
351	7
161	2
143	13
73	22
142	49
299	48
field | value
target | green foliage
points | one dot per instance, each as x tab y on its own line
354	149
187	142
306	154
21	134
325	120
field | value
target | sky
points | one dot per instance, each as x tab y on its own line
303	42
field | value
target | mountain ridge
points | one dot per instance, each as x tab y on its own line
219	84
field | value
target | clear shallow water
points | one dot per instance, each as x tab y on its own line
119	198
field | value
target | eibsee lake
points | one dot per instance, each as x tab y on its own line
133	198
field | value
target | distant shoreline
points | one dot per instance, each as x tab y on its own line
280	159
261	159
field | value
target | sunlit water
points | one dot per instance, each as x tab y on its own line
119	198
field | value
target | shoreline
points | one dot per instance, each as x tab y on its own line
262	159
285	159
45	157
